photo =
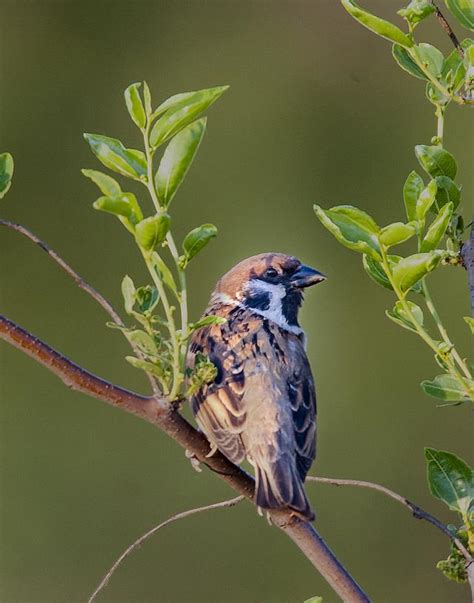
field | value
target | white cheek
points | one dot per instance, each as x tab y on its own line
274	311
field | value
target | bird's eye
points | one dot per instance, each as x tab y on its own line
270	273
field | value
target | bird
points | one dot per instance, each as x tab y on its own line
261	404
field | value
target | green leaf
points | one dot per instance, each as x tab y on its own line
147	99
207	321
400	315
411	269
437	229
416	11
125	205
382	28
197	239
450	479
445	387
146	298
148	367
135	105
107	185
352	227
405	61
470	322
164	272
181	112
376	271
128	292
436	161
151	232
314	600
469	66
177	159
144	342
426	200
453	72
6	173
115	156
448	192
397	233
431	58
463	10
411	191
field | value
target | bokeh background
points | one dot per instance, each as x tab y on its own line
317	112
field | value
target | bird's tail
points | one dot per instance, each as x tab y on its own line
279	485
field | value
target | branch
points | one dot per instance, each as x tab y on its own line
80	282
448	29
418	512
160	413
129	550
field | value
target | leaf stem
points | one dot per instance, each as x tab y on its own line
436	83
421	331
440	124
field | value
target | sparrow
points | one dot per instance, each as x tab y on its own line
261	404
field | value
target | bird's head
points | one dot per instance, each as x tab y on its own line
270	284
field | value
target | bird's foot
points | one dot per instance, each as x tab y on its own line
193	459
212	451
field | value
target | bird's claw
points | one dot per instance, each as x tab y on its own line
195	462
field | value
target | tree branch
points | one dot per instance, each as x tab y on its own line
160	413
80	282
448	29
129	550
418	512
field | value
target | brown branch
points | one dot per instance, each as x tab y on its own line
418	512
448	29
166	416
80	282
129	550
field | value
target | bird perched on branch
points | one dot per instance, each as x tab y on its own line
261	403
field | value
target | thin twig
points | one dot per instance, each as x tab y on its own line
467	256
80	282
166	416
448	29
105	580
417	511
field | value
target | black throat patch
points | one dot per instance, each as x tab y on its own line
258	301
290	306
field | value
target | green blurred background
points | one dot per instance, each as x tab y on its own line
317	112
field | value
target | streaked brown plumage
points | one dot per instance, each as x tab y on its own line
262	404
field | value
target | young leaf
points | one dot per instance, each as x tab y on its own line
115	156
146	298
352	227
207	321
177	159
382	28
448	192
135	105
411	191
147	99
107	185
445	387
6	173
128	292
376	271
182	112
143	341
450	479
125	205
426	200
416	11
411	269
404	60
453	71
436	161
470	322
463	10
151	232
403	318
148	367
431	58
396	233
437	229
197	239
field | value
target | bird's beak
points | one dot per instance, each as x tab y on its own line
306	276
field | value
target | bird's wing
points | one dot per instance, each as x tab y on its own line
219	407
